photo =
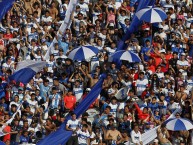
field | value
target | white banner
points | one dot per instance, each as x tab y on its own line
66	24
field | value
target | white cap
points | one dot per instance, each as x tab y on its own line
155	141
65	5
88	89
162	51
111	25
183	54
147	29
160	26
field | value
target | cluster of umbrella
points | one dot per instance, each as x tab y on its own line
86	52
148	14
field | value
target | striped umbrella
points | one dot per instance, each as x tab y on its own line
177	124
151	14
125	55
83	53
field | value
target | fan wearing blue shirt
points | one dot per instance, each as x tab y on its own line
44	88
24	138
178	48
2	90
153	105
156	114
144	50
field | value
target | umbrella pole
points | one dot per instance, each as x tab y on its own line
151	35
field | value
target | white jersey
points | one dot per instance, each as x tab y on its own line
172	107
113	109
189	84
93	135
33	105
47	19
73	124
135	137
78	92
83	7
141	86
82	136
183	63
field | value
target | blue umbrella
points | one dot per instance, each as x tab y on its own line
151	14
177	124
125	55
83	53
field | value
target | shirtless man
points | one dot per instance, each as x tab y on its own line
163	135
53	11
28	6
113	135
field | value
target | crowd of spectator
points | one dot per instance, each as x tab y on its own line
157	86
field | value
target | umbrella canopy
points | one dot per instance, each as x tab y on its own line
126	55
83	53
151	14
177	124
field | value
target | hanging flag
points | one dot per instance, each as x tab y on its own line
26	70
66	24
61	136
5	5
134	24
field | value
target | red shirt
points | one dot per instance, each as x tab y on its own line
7	129
8	36
141	115
1	42
70	102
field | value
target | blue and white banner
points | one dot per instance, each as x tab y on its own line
66	24
26	70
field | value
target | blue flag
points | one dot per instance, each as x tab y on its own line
134	24
61	136
5	6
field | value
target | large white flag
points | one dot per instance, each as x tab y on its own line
66	24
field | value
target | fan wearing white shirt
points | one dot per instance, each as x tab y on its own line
136	136
47	17
113	104
183	64
78	90
33	103
141	84
172	106
83	6
72	125
83	135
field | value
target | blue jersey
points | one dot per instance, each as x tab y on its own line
153	107
144	50
44	91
